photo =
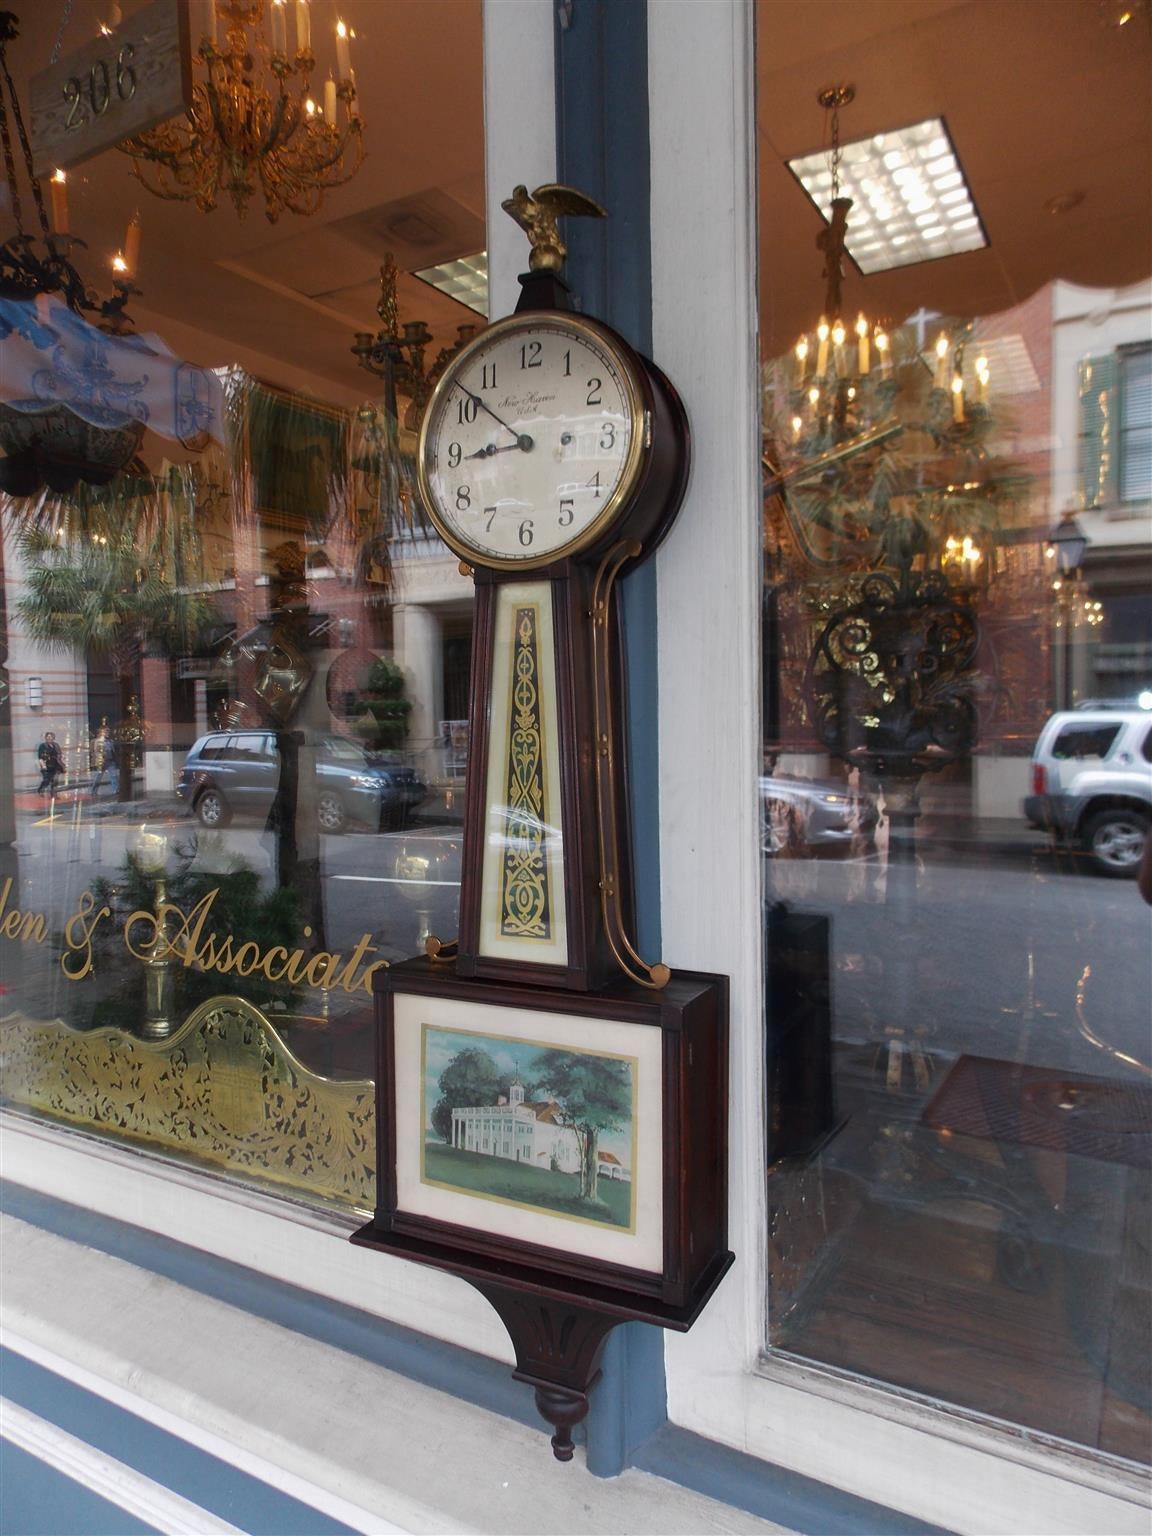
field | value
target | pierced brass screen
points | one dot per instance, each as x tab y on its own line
224	1090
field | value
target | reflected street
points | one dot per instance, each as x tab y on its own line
983	1001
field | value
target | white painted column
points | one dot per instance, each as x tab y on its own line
200	706
418	641
700	66
520	130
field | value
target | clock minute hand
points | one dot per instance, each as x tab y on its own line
476	400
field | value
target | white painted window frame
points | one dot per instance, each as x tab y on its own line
955	1469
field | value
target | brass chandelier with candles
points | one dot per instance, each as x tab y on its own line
255	123
834	392
843	382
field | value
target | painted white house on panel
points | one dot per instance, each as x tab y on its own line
524	1131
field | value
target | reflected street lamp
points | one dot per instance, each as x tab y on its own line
1069	542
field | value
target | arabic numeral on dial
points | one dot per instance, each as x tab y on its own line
455	454
567	365
524	533
567	511
530	354
490	514
594	483
488	380
466	409
608	436
463	497
76	116
125	74
594	388
99	87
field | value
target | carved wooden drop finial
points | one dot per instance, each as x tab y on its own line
558	1344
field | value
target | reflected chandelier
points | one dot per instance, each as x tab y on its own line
245	130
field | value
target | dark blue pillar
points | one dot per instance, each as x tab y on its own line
602	148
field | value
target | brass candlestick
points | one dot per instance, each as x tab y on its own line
150	852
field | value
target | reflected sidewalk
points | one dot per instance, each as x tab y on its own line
66	801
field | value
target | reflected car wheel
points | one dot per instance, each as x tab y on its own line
212	809
1115	841
330	813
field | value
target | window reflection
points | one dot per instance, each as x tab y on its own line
233	710
955	798
221	631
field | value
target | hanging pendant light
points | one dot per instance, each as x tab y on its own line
837	360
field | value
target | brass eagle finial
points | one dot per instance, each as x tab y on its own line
537	212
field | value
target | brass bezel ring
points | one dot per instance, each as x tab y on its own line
630	370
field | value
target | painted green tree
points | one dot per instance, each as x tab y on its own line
593	1095
470	1078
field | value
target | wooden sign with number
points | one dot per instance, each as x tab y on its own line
113	87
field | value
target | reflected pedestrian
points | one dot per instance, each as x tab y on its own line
102	762
51	760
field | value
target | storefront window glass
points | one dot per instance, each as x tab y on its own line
957	646
233	732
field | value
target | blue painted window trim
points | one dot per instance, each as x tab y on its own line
602	147
787	1498
194	1474
39	1500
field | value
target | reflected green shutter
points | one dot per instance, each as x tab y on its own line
1136	424
1099	437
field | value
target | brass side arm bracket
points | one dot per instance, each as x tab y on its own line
654	975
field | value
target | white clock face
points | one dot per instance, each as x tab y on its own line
531	447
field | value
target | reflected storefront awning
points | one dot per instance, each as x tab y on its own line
72	394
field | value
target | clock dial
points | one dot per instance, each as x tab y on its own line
532	442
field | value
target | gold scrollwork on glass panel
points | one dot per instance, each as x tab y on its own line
525	906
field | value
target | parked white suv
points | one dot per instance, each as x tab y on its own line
1092	784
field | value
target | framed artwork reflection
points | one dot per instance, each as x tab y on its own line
298	451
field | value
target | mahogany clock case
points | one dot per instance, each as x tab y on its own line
679	1037
590	961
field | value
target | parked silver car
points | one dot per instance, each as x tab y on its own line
237	773
1092	784
806	816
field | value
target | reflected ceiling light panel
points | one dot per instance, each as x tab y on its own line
465	280
904	176
1010	364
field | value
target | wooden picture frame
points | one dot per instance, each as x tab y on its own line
656	1252
298	450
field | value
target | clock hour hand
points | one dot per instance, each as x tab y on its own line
523	443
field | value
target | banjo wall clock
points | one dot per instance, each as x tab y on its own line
552	456
551	1108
